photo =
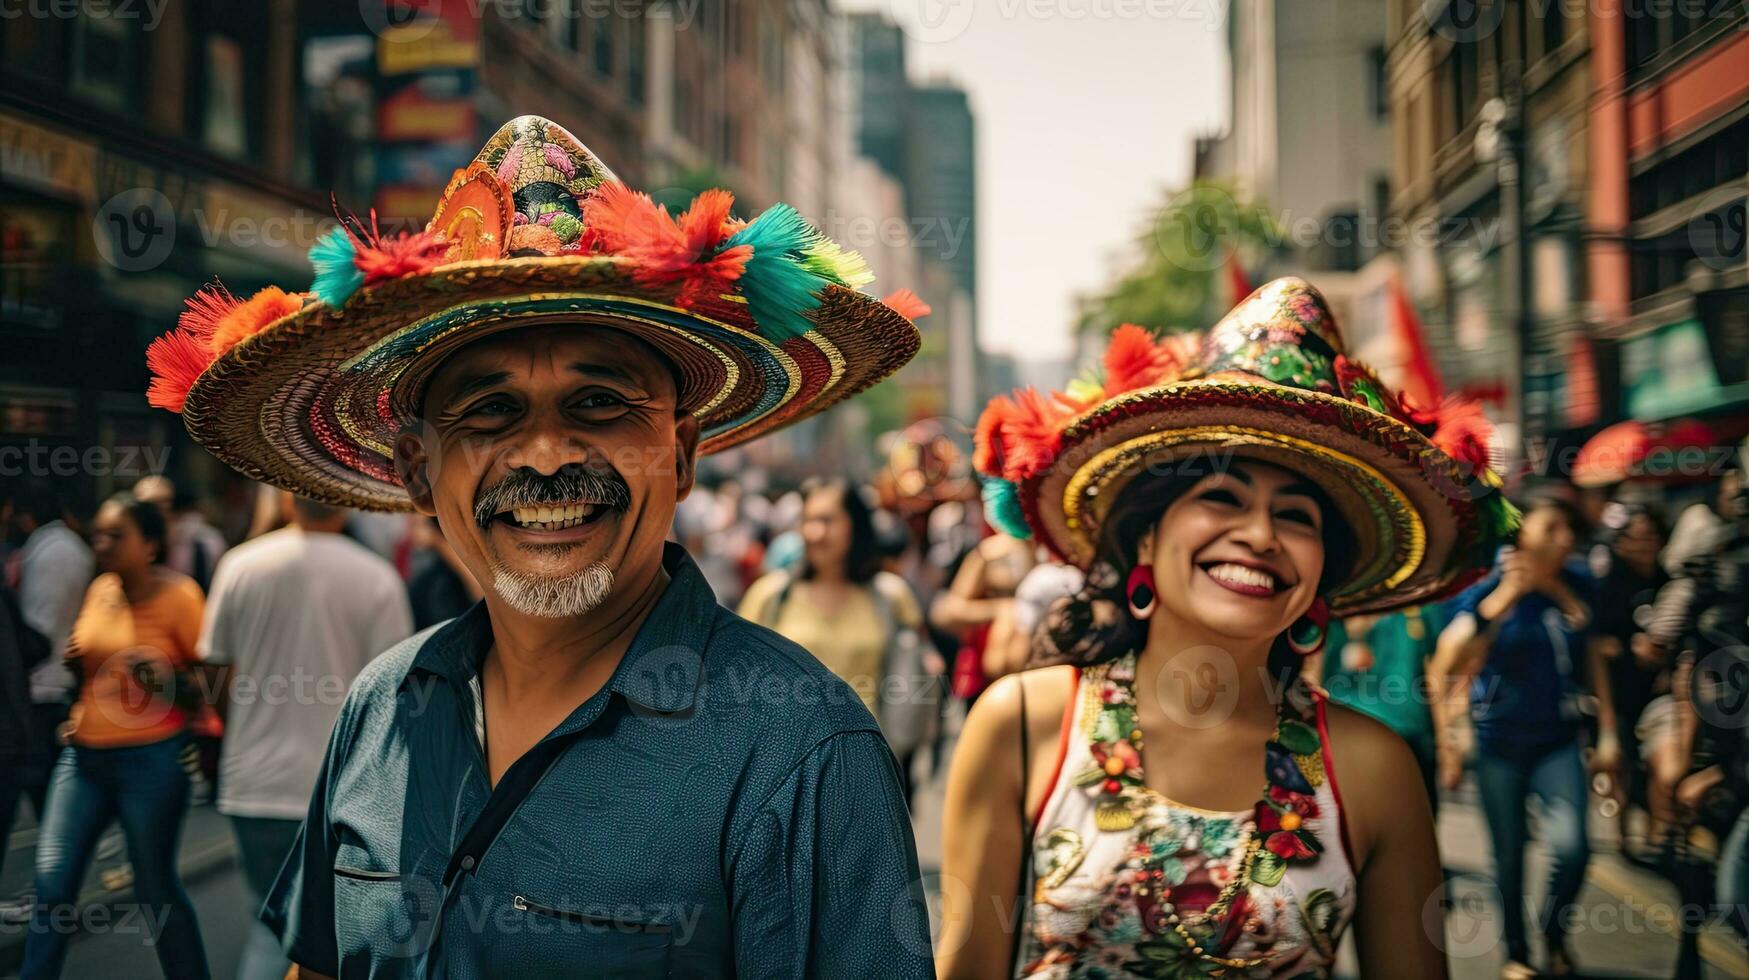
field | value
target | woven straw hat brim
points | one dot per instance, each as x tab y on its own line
1410	509
313	402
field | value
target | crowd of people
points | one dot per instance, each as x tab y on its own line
1249	616
1567	676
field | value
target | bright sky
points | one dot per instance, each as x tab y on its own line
1085	112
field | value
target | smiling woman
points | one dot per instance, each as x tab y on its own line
1159	797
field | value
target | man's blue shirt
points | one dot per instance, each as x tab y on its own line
724	806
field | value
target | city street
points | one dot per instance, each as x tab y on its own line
1627	931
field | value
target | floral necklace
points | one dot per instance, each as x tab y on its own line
1185	941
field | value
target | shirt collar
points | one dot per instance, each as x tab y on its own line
659	672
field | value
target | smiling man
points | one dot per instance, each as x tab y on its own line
597	771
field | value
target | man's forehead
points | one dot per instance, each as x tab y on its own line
563	347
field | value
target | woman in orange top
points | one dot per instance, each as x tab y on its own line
135	634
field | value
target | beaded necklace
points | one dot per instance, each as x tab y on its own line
1184	941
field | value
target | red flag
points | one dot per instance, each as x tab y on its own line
1238	286
1421	384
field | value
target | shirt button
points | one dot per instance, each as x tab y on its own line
468	863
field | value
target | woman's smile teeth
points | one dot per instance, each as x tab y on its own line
1234	574
552	517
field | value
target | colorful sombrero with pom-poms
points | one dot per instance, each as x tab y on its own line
762	320
1271	381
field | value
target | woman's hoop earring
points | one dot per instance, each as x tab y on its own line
1141	591
1306	636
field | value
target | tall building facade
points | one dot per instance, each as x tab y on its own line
922	137
1309	140
1669	274
1490	100
151	148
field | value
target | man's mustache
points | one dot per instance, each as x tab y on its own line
524	487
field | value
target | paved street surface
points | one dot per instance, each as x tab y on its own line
1628	929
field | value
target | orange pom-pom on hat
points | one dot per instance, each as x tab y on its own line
248	317
1134	359
908	304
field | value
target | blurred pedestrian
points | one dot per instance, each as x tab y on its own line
132	647
1110	793
1522	637
1705	612
50	573
1629	577
295	615
1011	635
441	587
21	649
861	622
195	545
1377	666
981	590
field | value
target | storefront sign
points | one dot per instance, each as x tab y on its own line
1668	371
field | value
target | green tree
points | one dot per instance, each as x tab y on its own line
1173	280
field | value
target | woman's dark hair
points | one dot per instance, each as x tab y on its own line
148	519
863	559
1095	624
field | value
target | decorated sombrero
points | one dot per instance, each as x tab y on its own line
1271	381
762	320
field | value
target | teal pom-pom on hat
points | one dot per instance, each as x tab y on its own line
337	275
1002	508
779	284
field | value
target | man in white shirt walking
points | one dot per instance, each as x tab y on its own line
295	614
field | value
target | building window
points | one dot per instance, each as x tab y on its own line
635	41
601	47
1378	82
228	88
1718	159
1463	70
1554	25
1656	28
106	61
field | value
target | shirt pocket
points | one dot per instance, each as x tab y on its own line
379	913
555	936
